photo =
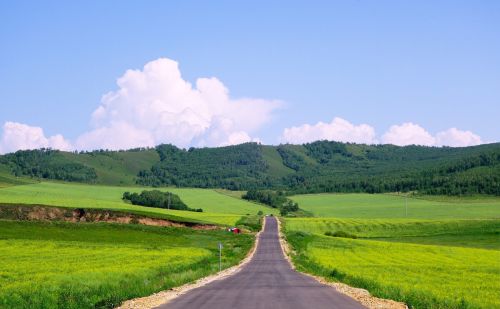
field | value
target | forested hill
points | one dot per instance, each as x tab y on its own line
315	167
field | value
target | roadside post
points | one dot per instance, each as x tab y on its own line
220	256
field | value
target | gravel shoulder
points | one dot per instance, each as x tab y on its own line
263	280
166	296
361	295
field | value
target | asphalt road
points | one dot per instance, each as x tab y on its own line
267	281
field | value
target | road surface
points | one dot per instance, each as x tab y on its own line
267	281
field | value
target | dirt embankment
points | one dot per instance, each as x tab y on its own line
49	213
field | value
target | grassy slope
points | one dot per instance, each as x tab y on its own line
218	208
117	168
7	179
393	206
49	265
275	163
423	276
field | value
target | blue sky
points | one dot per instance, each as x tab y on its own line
399	67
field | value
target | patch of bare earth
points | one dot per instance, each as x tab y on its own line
48	213
163	297
361	295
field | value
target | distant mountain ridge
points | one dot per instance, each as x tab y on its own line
322	166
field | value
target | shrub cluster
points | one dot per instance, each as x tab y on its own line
159	199
341	234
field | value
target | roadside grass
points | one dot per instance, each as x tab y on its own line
98	265
383	206
217	208
252	223
422	276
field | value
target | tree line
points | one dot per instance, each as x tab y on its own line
321	166
275	199
48	164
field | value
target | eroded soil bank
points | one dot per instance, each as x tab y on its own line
51	213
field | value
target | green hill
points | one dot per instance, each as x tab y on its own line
99	167
310	168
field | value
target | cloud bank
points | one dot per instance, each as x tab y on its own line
404	134
18	136
156	105
338	129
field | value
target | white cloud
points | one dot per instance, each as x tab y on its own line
156	105
19	136
457	138
413	134
404	134
408	134
119	135
337	130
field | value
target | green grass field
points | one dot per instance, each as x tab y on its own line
423	276
372	206
444	254
463	233
217	208
85	265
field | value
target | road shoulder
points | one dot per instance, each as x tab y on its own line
166	296
360	295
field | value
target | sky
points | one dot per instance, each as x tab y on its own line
81	75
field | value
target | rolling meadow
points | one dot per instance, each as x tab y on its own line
53	264
444	254
217	208
98	265
434	247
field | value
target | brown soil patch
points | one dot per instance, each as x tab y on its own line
50	213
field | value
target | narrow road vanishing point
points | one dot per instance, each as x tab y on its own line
267	281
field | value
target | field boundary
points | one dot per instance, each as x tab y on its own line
166	296
361	295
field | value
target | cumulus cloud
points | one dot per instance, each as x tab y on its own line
413	134
337	130
457	138
19	136
118	135
408	134
156	105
